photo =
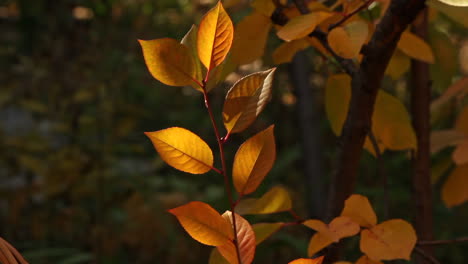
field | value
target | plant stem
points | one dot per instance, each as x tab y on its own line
227	185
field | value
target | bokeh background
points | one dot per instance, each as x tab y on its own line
80	182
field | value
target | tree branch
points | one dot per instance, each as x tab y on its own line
443	242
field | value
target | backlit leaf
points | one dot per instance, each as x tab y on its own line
264	230
246	100
253	161
182	149
245	238
347	40
169	61
216	257
455	2
250	38
301	26
215	35
358	208
460	155
190	41
203	223
307	261
454	190
317	243
462	121
392	239
415	47
275	200
366	260
339	228
445	138
286	51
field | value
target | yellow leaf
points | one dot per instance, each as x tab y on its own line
358	208
265	7
366	260
264	230
203	223
455	2
317	243
286	51
445	138
392	239
245	239
462	121
415	47
216	257
275	200
301	26
250	38
307	261
169	61
246	100
457	14
347	41
215	35
455	188
339	228
337	97
182	149
190	41
460	155
399	64
253	161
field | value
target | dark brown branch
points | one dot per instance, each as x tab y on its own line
301	6
381	173
348	16
443	242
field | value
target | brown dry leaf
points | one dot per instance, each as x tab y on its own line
460	155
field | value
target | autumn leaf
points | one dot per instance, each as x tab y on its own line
265	7
264	230
182	149
398	65
445	138
275	200
253	161
366	260
339	228
454	190
250	38
301	26
317	243
347	40
307	261
246	100
455	13
415	47
216	257
286	51
358	208
460	155
203	223
245	239
215	35
392	239
169	61
190	41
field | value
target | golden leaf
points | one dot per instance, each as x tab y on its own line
317	243
339	228
307	261
399	64
454	190
347	40
366	260
460	155
358	208
286	51
415	47
301	26
190	41
276	200
245	240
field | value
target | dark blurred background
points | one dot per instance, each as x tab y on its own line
80	183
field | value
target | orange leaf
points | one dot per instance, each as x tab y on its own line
190	41
307	261
203	223
215	35
253	161
246	100
462	121
347	40
399	64
445	138
286	51
169	61
366	260
392	239
245	238
264	230
460	155
250	38
415	47
182	149
339	228
317	243
454	190
301	26
275	200
358	208
266	7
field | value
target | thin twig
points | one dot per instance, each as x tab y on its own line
443	241
381	173
425	255
348	16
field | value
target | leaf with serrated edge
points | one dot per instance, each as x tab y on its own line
245	240
358	208
253	161
307	261
182	149
301	26
190	41
203	223
215	35
415	47
275	200
454	189
264	230
246	100
169	61
392	239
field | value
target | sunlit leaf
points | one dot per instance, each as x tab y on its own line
415	47
169	61
275	200
203	223
366	260
347	40
250	38
245	238
286	51
445	138
317	243
358	208
460	155
399	64
462	121
246	100
307	261
253	161
190	41
182	149
392	239
454	190
215	35
216	257
455	2
301	26
264	230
